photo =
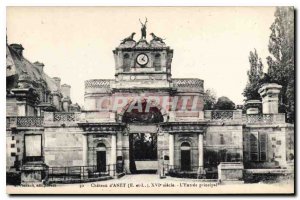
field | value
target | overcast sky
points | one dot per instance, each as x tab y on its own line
210	43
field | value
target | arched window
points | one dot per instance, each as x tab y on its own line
157	62
185	150
126	62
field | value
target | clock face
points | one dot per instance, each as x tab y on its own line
142	59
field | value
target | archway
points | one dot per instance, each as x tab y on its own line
143	143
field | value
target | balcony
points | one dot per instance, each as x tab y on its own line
28	121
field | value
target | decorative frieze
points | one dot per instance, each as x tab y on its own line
102	127
173	127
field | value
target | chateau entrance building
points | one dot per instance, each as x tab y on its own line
142	121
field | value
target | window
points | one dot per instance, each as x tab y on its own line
126	62
222	139
13	154
157	62
258	146
12	145
254	146
33	147
263	147
278	142
12	137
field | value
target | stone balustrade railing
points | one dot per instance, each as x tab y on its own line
264	118
97	83
66	117
190	84
26	121
223	115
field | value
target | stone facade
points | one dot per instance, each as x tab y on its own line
110	140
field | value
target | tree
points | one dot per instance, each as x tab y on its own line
255	75
281	61
209	99
224	103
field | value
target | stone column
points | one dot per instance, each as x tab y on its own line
171	149
84	153
200	150
120	162
113	155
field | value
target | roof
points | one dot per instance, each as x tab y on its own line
16	65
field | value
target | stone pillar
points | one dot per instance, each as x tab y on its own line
120	159
113	155
269	94
85	152
200	151
171	149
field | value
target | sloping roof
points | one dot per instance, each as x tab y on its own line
17	64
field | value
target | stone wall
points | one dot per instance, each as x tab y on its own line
11	107
63	146
278	145
223	143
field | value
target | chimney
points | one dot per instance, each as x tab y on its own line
269	93
65	90
39	65
57	82
18	48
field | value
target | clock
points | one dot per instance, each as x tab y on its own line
142	59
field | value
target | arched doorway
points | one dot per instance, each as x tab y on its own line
143	143
101	157
185	150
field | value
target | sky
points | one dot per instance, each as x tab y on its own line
210	43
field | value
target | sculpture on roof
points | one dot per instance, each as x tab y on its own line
144	29
156	38
129	38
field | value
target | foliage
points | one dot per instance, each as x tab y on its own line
209	99
281	62
255	74
224	103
